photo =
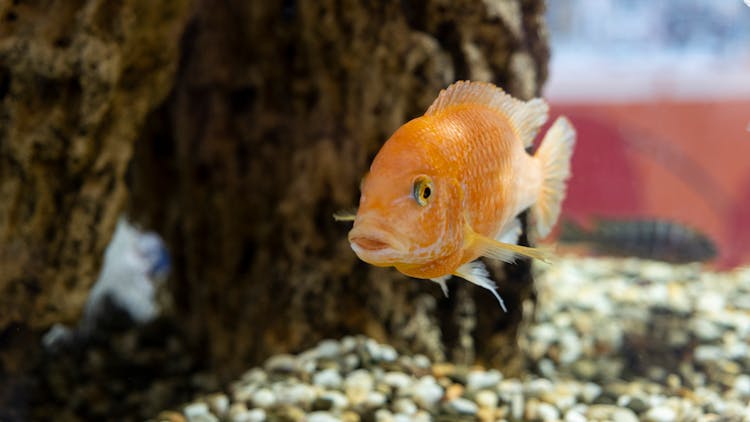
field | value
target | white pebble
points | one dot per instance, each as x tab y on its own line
421	416
463	406
219	403
516	406
426	392
383	415
397	380
376	399
238	413
328	349
338	400
388	353
256	415
244	392
358	385
321	416
570	347
351	362
574	415
194	411
607	412
710	302
544	333
486	399
400	417
742	385
661	414
380	352
255	376
348	344
705	352
328	378
706	330
547	412
421	361
736	350
562	397
300	394
547	368
590	392
478	380
281	363
263	398
404	406
656	271
539	386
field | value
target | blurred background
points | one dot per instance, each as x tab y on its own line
660	95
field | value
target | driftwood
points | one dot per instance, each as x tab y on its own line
240	127
77	82
275	116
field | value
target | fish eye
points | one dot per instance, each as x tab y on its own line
422	190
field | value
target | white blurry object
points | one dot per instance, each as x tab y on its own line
135	264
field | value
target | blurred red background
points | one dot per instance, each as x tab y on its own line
684	161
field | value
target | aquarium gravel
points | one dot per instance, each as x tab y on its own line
611	340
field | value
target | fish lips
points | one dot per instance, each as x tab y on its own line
376	245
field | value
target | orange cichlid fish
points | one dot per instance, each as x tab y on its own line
447	187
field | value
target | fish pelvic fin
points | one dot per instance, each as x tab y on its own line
554	156
526	117
476	273
506	252
441	281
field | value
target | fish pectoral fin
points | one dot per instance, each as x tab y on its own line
476	273
508	252
441	281
345	215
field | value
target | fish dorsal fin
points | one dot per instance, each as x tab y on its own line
526	117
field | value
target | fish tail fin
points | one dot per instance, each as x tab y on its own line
554	156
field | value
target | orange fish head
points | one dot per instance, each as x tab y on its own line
409	212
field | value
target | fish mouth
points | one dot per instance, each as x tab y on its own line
369	243
375	245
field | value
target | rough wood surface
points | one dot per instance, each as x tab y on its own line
77	79
278	109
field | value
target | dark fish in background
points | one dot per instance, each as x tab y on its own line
648	239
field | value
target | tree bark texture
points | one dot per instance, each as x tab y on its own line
77	80
277	111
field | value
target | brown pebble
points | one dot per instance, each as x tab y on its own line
349	416
440	370
170	416
486	414
453	391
